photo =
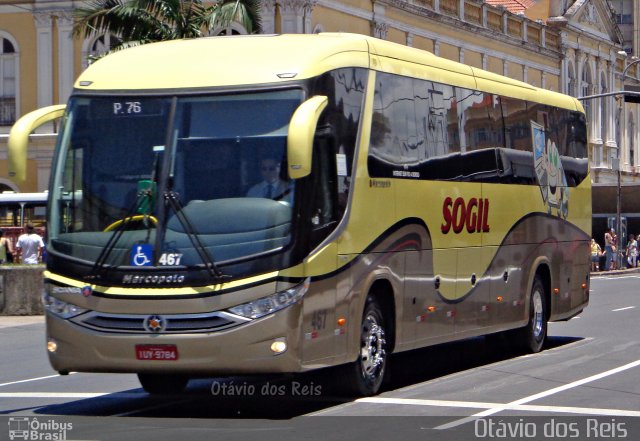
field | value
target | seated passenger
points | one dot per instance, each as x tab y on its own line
271	186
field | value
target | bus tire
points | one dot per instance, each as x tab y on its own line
157	384
364	377
533	335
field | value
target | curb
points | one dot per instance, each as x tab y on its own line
11	321
624	272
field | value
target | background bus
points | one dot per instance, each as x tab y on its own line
19	209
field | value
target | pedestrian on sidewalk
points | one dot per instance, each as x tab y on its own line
609	249
596	253
6	250
632	252
29	246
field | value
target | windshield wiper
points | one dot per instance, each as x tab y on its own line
172	198
144	196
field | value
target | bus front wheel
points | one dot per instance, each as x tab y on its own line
162	384
365	376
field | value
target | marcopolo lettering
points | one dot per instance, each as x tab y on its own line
134	279
474	215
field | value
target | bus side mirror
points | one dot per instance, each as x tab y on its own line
19	137
302	129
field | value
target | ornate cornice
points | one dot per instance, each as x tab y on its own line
380	29
297	5
269	5
457	23
43	19
64	17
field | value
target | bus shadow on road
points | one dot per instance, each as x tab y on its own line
409	368
290	396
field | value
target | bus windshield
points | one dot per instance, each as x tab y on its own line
218	161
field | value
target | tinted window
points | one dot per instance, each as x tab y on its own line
426	130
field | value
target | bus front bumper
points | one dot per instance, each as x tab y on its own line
244	349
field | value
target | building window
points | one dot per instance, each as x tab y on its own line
631	130
586	88
232	29
623	18
98	47
604	108
571	88
7	83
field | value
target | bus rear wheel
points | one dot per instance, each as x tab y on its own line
533	335
157	384
365	376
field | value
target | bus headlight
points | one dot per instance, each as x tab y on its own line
59	308
270	304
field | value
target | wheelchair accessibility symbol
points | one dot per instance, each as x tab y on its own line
141	255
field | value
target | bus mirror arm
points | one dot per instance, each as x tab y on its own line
302	129
19	137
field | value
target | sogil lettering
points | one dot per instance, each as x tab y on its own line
474	215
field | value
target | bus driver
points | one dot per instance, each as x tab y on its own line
271	186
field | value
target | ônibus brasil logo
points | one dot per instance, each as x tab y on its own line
32	429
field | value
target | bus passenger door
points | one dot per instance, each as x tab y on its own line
319	308
318	345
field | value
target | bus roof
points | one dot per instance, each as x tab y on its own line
238	61
16	198
224	61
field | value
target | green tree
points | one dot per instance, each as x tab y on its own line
136	22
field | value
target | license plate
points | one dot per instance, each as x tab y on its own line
157	352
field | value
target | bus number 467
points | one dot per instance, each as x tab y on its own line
170	259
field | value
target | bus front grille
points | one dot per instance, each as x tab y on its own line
163	324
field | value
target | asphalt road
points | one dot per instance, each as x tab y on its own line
584	385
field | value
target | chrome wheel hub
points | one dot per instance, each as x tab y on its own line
538	314
372	352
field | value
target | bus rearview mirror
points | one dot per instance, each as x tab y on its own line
302	129
19	137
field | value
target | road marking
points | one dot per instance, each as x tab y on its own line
622	309
543	394
500	406
73	395
34	379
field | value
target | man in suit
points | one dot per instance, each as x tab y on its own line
271	186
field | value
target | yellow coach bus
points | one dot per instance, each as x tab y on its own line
278	204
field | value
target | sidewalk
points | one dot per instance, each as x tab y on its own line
10	321
615	272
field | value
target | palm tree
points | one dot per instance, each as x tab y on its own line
136	22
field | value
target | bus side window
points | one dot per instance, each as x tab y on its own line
345	89
324	208
325	185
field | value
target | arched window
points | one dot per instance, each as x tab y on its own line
232	29
8	65
97	47
6	185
